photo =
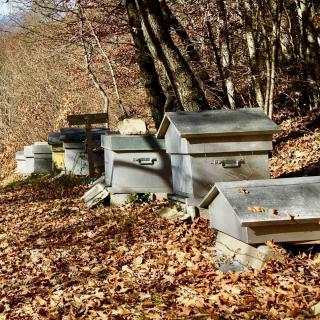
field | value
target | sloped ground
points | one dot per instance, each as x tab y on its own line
297	147
59	260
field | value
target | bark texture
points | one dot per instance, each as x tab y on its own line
148	73
191	50
184	83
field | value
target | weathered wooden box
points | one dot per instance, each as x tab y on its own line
136	164
29	162
283	210
42	154
21	162
211	146
75	157
57	151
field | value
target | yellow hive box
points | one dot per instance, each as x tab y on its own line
58	158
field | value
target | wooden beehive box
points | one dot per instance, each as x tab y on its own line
42	154
212	146
283	210
136	163
76	157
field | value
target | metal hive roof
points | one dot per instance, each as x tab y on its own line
296	200
218	123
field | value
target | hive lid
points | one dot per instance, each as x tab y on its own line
218	123
41	147
273	201
128	142
79	134
54	139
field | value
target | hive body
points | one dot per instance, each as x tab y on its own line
213	146
136	164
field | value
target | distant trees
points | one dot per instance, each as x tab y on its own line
190	55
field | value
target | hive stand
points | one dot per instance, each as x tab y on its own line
232	254
88	120
212	146
97	193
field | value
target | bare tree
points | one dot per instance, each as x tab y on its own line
184	84
148	74
247	14
225	51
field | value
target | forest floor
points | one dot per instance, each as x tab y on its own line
61	260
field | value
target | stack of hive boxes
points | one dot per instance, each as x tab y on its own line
36	158
212	146
74	145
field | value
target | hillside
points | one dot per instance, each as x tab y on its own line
97	57
60	260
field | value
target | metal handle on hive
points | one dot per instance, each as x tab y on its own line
145	161
232	163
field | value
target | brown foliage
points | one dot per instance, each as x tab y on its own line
60	260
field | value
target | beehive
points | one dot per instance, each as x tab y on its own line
212	146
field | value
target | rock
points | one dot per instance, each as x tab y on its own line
119	199
316	309
132	126
170	213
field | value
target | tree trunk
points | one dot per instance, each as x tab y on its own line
255	70
225	50
191	50
271	37
247	13
218	63
184	84
148	74
309	49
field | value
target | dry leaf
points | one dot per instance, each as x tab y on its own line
138	261
290	216
243	191
273	211
256	209
117	263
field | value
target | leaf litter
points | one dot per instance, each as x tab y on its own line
61	260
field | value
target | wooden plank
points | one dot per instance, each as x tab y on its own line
89	149
89	118
246	254
307	242
284	233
